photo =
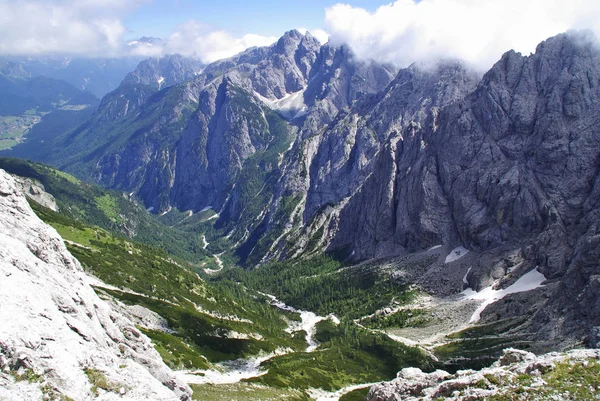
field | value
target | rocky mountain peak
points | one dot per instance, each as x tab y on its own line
13	70
289	41
160	72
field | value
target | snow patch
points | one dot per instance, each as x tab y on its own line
290	106
527	282
307	323
465	281
231	371
456	254
434	247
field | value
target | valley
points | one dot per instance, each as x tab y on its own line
218	329
297	223
203	325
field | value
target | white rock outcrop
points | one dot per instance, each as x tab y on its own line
36	191
58	339
412	384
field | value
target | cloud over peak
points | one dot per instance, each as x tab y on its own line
477	31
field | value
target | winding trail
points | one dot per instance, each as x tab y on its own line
219	263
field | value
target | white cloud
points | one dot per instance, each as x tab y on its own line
193	38
95	28
36	27
478	31
321	35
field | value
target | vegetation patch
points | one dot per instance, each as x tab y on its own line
321	284
476	353
98	381
356	395
245	392
399	319
176	352
347	355
84	204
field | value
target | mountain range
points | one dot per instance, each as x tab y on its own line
300	149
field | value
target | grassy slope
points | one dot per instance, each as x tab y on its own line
151	279
110	210
348	354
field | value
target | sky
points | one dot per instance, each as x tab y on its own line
400	32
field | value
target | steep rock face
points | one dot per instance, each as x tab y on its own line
350	166
507	167
55	328
274	71
513	165
35	190
228	127
185	146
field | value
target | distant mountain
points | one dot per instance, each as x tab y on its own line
161	72
145	42
96	75
12	70
210	126
39	95
26	102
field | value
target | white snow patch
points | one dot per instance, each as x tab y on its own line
307	323
403	340
230	371
151	208
214	216
465	281
456	254
290	106
434	247
220	316
527	282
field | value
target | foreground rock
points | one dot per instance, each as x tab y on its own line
572	375
57	338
